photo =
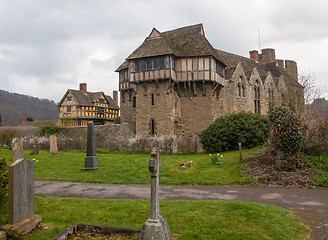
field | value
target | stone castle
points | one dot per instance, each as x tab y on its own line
176	83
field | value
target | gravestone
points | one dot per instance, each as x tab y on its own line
156	226
17	149
53	144
91	160
35	148
21	197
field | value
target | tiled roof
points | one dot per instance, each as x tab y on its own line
181	42
190	41
231	61
89	98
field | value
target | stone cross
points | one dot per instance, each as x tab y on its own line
21	197
91	160
153	166
53	144
17	149
156	226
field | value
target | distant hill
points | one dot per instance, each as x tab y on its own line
14	106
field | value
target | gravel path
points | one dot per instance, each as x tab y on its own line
309	204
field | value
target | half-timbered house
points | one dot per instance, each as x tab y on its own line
78	107
176	83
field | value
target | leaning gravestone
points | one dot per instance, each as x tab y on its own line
53	144
91	160
17	149
21	197
156	226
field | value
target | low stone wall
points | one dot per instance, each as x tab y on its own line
21	131
117	137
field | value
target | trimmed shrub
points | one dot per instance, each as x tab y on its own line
285	130
4	171
227	131
47	130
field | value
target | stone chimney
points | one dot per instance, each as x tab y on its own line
254	54
268	55
83	87
115	96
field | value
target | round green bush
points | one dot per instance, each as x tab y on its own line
226	132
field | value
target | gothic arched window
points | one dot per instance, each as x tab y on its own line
270	91
257	105
241	87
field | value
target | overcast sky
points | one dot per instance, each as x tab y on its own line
48	46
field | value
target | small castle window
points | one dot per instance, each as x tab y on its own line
152	99
149	64
134	101
152	127
220	68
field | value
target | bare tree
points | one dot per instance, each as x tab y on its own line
312	112
311	91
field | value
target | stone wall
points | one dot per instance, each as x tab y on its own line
127	110
153	103
198	110
117	137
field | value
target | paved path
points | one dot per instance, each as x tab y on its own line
309	204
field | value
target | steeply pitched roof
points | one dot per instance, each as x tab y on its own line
191	41
112	103
124	65
88	98
181	42
231	61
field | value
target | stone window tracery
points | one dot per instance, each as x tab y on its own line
241	87
257	106
270	91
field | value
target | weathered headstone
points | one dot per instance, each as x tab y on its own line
35	148
21	190
91	160
17	149
156	226
21	197
53	144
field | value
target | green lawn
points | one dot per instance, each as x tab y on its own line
186	219
132	168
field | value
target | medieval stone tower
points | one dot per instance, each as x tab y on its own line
176	84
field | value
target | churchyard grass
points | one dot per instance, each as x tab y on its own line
186	219
132	168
